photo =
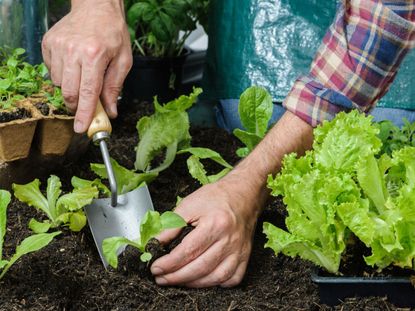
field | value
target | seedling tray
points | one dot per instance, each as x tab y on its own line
334	289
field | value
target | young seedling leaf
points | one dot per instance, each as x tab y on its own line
5	199
39	227
127	180
29	245
152	225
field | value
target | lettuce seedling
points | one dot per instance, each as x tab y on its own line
127	180
196	168
31	244
164	133
61	210
152	225
255	110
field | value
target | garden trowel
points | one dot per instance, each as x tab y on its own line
119	215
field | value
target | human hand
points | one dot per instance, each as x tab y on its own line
88	54
217	251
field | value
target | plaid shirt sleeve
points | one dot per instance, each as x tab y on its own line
357	61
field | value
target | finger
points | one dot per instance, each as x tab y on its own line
46	51
92	77
237	276
56	69
197	269
192	246
113	81
168	235
71	79
222	273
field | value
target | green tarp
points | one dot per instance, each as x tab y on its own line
272	42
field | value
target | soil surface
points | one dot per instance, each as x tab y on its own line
16	114
68	274
43	108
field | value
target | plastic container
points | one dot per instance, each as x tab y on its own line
151	76
333	289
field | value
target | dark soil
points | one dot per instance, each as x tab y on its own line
43	108
68	274
16	114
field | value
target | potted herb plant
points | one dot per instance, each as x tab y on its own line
158	32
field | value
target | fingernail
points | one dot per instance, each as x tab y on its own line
161	281
156	271
78	127
111	111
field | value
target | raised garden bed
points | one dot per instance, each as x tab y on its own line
68	275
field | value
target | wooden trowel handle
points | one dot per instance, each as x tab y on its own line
100	123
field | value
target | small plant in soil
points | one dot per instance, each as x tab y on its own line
152	225
164	133
20	80
255	111
347	186
61	210
30	244
154	26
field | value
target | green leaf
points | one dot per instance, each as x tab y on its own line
77	221
171	220
29	245
5	199
111	246
255	110
76	200
164	133
31	195
152	225
53	191
79	183
39	227
206	153
127	180
145	257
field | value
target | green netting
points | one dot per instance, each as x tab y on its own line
271	42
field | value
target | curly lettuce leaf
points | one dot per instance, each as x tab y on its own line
164	133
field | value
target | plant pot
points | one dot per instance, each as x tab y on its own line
54	134
54	131
16	137
334	289
151	76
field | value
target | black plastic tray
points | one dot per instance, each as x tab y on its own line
334	289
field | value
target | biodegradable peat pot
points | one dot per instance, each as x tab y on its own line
54	131
16	136
151	76
334	289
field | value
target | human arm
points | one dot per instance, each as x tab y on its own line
357	61
88	54
217	251
219	248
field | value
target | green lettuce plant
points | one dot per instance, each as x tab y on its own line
60	209
347	185
28	245
152	225
164	133
255	110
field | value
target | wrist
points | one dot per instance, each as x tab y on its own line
115	5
